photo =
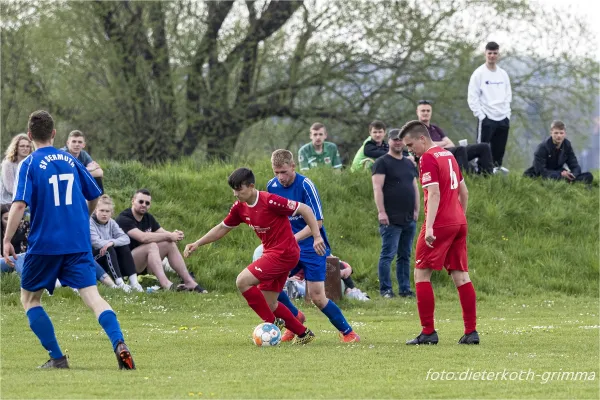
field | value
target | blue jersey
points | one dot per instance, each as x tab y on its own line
55	186
304	191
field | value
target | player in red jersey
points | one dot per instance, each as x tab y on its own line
267	214
442	242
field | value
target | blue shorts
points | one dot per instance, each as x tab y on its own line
77	271
314	266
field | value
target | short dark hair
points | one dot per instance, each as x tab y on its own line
5	208
422	102
40	125
376	125
556	124
142	191
316	126
414	129
492	46
240	177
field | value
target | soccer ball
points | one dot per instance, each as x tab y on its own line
266	334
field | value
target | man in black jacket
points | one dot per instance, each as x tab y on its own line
552	155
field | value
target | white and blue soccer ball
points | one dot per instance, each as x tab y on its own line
266	334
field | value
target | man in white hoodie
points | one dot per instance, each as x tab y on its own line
489	98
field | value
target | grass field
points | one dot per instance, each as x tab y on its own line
188	345
533	257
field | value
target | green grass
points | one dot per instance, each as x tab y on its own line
533	256
189	345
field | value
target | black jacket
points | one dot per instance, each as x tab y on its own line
545	166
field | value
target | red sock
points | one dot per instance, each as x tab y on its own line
291	322
425	305
466	294
257	302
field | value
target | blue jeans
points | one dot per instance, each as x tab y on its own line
395	241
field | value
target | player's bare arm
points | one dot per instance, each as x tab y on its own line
378	181
213	235
14	219
311	221
463	196
92	205
417	199
151	237
433	203
305	232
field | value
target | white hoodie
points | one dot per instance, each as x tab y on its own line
490	93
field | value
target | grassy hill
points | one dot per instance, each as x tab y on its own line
525	236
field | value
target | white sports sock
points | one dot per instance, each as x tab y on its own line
133	280
119	281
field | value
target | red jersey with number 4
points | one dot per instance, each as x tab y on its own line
439	167
268	217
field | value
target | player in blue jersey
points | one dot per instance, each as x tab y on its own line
293	186
56	186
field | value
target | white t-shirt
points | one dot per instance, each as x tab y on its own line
490	94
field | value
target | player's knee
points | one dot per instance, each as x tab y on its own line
29	301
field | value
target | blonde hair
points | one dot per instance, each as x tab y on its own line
105	199
12	152
281	156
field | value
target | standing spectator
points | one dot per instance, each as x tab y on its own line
319	152
75	146
18	149
111	246
463	154
372	148
397	200
489	98
149	244
551	156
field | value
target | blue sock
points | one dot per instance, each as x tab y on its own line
40	324
285	300
333	312
108	320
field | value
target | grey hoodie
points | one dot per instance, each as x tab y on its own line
110	232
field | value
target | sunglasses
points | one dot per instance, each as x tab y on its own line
144	202
421	102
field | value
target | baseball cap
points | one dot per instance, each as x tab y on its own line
394	133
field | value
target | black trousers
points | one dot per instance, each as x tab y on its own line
117	261
496	134
481	151
585	177
99	183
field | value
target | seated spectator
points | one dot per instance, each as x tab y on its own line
319	152
75	146
111	246
20	147
372	148
463	154
149	244
551	156
19	240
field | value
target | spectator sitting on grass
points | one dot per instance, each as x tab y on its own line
372	148
552	155
75	146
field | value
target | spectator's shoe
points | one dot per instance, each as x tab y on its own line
61	362
356	294
288	335
387	294
424	339
501	170
124	357
137	288
125	287
407	294
470	338
351	337
306	339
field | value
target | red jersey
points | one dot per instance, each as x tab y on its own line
268	217
439	167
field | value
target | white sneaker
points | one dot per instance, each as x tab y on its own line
137	287
125	287
501	170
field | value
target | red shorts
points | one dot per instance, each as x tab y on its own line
449	249
272	269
